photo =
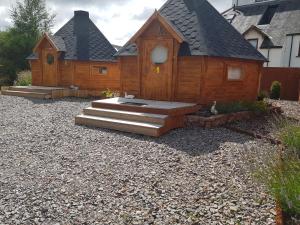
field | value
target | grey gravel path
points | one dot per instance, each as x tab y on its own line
55	173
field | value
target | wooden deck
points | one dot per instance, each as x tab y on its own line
37	92
152	118
42	92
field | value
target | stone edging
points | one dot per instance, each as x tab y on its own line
216	121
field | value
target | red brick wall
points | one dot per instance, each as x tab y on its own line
289	79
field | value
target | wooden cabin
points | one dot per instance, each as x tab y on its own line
76	55
185	52
188	52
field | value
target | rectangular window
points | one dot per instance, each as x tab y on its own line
103	70
254	42
299	50
234	73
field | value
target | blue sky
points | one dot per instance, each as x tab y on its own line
117	19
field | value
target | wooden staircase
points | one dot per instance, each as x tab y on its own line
33	92
131	118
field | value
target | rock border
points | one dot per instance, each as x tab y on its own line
223	119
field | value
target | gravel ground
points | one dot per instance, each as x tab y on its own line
267	125
55	173
290	108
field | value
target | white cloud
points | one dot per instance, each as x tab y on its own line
117	19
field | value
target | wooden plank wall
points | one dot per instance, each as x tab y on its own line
202	80
87	76
289	79
216	86
130	81
36	71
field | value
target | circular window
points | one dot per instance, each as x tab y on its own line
159	55
50	59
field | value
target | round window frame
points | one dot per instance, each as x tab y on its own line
157	60
50	59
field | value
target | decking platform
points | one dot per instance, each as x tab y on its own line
37	92
147	117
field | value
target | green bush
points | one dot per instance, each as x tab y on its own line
262	95
5	81
279	172
275	90
240	106
110	94
282	179
24	78
290	136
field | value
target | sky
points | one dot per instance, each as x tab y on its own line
117	19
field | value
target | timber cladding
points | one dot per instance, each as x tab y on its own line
289	79
199	79
85	75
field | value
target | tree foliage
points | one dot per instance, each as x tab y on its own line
30	20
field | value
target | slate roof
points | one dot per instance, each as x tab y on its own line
80	39
285	21
205	31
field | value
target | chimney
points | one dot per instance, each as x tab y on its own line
81	32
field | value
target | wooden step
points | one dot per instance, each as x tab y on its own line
147	106
27	94
30	89
149	129
126	115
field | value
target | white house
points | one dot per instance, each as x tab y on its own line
273	27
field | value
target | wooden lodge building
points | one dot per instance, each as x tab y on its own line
188	52
185	55
185	52
76	55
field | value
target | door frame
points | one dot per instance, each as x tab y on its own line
45	52
142	56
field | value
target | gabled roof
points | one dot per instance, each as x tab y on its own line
80	39
56	42
205	32
167	25
285	21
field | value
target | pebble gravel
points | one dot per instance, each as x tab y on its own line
53	172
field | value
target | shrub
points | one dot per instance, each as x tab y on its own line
110	94
262	95
239	106
275	90
4	80
282	179
279	173
290	136
24	78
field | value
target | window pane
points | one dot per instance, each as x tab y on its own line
234	73
103	70
253	42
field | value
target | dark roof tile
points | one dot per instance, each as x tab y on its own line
205	31
285	21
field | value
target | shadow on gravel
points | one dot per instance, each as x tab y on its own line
192	141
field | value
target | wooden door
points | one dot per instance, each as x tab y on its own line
49	67
156	79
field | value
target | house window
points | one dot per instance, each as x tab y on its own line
268	15
254	42
50	59
234	73
103	70
299	50
159	55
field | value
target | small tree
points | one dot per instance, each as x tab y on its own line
30	19
275	90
